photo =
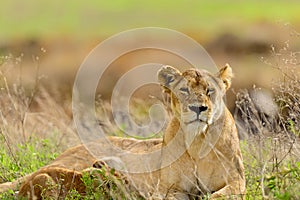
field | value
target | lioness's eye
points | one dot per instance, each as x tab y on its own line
186	90
209	91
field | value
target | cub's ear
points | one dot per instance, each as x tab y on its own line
167	75
225	74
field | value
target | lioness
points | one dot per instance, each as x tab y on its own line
200	151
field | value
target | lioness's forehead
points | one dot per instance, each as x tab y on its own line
196	77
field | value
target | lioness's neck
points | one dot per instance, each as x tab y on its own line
174	127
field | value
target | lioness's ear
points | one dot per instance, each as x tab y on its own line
226	75
167	75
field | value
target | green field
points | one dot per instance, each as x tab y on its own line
32	18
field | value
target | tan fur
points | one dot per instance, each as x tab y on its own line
202	126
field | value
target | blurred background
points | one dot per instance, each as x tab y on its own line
50	39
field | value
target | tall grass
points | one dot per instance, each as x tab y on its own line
34	129
271	153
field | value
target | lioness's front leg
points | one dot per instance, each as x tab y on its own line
233	190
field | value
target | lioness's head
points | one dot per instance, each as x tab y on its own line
196	95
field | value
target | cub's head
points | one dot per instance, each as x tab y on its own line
196	95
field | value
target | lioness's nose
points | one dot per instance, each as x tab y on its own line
198	109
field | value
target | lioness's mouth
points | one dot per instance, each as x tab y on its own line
195	120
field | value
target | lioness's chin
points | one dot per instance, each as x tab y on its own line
195	127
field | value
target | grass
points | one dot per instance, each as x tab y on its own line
271	156
54	18
271	170
24	159
269	173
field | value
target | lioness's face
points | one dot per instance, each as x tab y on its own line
196	95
